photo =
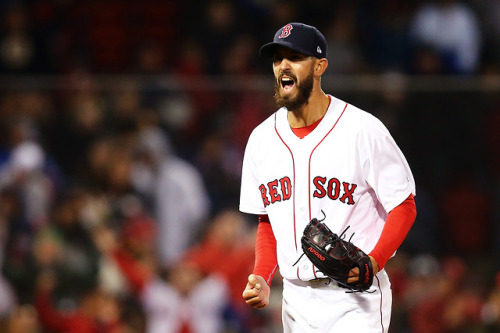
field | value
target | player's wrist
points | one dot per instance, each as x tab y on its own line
377	257
375	265
262	278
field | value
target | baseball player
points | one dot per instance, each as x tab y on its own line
320	157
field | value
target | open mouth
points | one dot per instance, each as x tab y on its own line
287	83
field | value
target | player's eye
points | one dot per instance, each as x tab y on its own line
294	57
277	58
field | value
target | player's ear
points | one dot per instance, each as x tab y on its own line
320	66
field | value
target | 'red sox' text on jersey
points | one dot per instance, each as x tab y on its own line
331	171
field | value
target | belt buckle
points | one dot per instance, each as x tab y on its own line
319	280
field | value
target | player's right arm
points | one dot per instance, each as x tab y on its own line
257	290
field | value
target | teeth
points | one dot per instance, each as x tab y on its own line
287	82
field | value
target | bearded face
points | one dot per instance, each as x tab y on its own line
290	93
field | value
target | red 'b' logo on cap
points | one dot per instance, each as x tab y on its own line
286	31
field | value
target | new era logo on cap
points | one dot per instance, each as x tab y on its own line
299	37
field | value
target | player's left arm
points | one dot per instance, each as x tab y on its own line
397	225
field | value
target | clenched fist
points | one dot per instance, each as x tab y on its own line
256	293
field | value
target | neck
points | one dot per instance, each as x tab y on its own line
311	112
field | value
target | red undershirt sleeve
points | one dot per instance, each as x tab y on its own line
397	225
266	261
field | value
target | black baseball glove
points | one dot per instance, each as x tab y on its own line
335	257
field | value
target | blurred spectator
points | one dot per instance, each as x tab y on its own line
18	49
8	210
187	301
425	234
187	114
80	120
240	56
179	117
227	250
185	297
25	171
383	34
466	206
64	247
217	30
450	28
95	311
79	257
491	138
15	248
128	259
400	283
448	305
191	60
282	12
218	161
153	28
180	200
490	313
8	298
151	58
344	52
427	61
489	11
23	319
182	206
248	109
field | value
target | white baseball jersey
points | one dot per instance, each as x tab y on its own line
348	169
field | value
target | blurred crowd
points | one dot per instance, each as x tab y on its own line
119	191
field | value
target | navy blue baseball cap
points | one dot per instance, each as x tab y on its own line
299	37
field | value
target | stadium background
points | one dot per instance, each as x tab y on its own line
123	125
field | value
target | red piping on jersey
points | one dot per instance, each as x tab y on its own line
293	186
381	302
270	277
312	152
309	171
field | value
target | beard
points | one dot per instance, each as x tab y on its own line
293	103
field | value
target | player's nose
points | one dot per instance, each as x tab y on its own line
285	64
